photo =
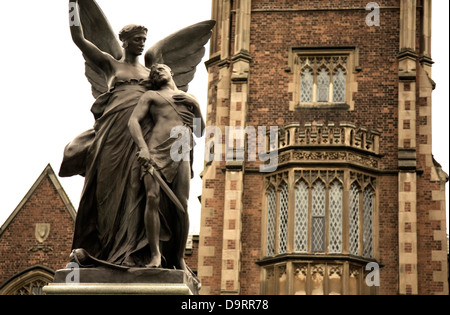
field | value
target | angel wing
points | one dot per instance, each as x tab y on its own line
97	30
182	51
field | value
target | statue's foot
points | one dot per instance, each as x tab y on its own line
128	262
155	262
81	257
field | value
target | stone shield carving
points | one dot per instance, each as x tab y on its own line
42	231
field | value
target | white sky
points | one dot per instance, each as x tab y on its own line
46	98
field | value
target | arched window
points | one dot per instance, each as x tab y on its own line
354	219
318	217
330	222
323	85
306	86
368	205
283	221
28	282
339	83
301	217
271	220
323	79
335	218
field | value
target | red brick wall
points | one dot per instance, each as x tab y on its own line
272	34
276	26
191	256
44	206
251	233
388	234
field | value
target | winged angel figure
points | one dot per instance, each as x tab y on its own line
110	224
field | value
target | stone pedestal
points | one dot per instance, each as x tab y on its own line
132	281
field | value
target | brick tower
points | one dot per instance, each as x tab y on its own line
355	203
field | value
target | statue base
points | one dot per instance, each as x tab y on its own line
132	281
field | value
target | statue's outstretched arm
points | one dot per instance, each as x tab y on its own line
89	50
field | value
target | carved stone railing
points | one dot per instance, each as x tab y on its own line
329	135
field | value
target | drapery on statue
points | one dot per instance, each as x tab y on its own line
123	214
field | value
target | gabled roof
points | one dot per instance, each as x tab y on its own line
48	172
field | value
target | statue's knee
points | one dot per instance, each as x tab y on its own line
152	198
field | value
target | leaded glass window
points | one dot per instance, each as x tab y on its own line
354	220
318	213
335	219
32	288
318	217
283	222
339	83
306	89
368	221
301	217
271	219
323	85
323	79
318	230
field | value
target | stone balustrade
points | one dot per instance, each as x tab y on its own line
327	135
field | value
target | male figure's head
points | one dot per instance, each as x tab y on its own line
133	38
160	75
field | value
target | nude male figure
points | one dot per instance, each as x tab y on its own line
169	108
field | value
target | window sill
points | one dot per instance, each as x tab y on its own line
325	106
312	257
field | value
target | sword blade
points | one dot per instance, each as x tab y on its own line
152	171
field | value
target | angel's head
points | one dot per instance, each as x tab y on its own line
133	38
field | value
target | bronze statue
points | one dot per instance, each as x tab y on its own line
123	215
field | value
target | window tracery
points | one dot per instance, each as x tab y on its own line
332	214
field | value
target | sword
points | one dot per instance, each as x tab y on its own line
152	171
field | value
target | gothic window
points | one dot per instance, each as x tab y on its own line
368	200
271	219
323	78
283	221
30	281
323	85
306	89
301	217
32	288
335	220
318	214
332	214
354	220
339	82
320	75
318	217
